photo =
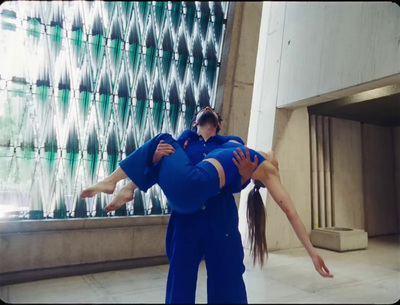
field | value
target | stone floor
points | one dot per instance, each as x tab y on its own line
360	277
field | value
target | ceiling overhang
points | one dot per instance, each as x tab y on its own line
380	106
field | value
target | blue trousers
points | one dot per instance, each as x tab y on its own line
211	233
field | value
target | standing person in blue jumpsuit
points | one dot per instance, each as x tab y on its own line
190	236
211	232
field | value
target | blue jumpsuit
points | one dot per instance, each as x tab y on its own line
199	225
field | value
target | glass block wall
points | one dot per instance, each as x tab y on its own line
84	83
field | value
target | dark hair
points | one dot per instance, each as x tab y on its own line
195	115
256	221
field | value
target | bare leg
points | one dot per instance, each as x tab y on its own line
124	195
106	186
220	169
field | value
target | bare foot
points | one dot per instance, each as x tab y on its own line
124	195
103	186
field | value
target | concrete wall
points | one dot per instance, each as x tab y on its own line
263	106
363	177
396	148
309	53
332	50
29	249
347	174
379	180
236	79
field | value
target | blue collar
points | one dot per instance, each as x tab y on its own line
193	136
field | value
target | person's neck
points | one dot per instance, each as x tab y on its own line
206	131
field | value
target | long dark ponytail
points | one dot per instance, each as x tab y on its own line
256	221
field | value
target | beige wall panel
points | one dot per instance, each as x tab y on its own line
292	148
379	177
347	179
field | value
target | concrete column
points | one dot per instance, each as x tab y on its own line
321	172
321	187
327	173
263	105
314	170
236	80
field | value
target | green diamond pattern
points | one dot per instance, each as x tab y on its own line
85	83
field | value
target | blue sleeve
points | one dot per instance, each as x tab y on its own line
183	137
151	169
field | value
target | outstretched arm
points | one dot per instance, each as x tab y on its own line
272	181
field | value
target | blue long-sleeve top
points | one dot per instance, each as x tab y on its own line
197	149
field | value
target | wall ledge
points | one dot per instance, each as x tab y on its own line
29	226
11	278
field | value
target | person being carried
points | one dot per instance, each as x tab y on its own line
188	186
